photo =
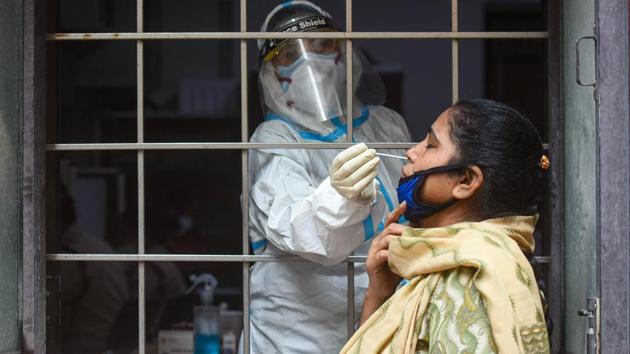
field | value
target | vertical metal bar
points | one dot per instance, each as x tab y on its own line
455	51
140	132
245	179
350	116
350	299
141	309
349	90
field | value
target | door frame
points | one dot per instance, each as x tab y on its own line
613	95
33	280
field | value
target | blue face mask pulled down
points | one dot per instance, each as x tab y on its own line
408	189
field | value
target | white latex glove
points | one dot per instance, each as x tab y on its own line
353	173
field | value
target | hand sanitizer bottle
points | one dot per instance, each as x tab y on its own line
206	317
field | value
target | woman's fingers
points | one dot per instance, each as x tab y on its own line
378	246
384	238
396	213
394	229
382	256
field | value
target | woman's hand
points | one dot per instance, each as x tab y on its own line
383	281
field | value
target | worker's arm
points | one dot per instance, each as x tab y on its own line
309	220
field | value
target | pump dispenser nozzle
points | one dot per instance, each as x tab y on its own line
206	292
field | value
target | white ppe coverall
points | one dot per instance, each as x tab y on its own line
301	307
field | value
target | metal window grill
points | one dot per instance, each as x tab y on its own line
244	146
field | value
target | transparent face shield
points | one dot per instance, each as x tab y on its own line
305	79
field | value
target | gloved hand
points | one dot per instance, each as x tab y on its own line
353	173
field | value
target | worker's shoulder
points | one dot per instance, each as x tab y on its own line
388	122
274	131
385	114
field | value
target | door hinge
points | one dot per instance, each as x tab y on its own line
592	330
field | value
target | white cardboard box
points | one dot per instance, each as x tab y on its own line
175	342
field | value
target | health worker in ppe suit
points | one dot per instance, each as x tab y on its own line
319	204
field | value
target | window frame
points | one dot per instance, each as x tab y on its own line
35	150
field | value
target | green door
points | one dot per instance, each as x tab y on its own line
580	170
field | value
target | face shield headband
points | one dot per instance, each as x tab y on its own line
312	24
408	189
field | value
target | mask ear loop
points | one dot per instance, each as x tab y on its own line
434	170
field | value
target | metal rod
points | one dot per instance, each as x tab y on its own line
245	180
141	308
219	146
214	146
262	35
350	299
140	139
350	121
71	257
349	75
455	52
67	257
140	126
141	206
246	301
349	93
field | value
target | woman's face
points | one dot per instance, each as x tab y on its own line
437	149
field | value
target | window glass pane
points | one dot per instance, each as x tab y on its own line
97	16
513	72
401	16
95	307
191	15
502	15
91	195
96	93
192	91
193	202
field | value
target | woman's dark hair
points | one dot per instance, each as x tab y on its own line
507	148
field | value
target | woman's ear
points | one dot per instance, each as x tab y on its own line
468	183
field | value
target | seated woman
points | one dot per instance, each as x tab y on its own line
470	192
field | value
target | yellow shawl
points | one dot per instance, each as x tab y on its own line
503	277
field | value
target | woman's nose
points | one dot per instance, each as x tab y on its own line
412	154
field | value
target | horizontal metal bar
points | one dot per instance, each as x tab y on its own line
218	146
215	146
181	258
262	35
197	258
